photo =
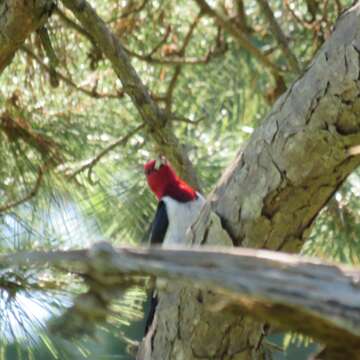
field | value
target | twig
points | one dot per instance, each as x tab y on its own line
171	88
28	196
135	10
161	42
279	35
188	121
93	161
178	68
212	54
190	32
306	24
129	12
239	36
179	59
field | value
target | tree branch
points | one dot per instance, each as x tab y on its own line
134	10
89	164
279	35
152	115
319	299
212	54
239	36
178	68
74	25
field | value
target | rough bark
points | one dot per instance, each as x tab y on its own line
18	19
156	119
319	299
272	192
270	195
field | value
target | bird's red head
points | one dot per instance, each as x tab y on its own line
163	181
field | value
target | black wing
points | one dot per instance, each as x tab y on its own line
159	225
157	235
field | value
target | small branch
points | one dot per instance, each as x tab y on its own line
212	54
171	88
127	13
239	36
279	35
304	23
135	10
28	196
178	68
190	33
89	164
160	43
188	121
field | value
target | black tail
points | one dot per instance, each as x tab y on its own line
151	313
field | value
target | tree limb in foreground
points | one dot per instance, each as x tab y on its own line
307	295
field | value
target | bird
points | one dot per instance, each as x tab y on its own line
178	207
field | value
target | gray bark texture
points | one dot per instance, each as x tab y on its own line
317	298
18	19
272	192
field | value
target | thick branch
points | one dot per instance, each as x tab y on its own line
18	19
319	299
151	114
293	163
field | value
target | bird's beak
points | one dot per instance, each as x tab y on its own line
160	160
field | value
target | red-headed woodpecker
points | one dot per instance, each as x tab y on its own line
178	207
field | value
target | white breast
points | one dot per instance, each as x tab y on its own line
181	216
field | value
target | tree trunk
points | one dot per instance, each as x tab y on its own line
272	192
18	19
